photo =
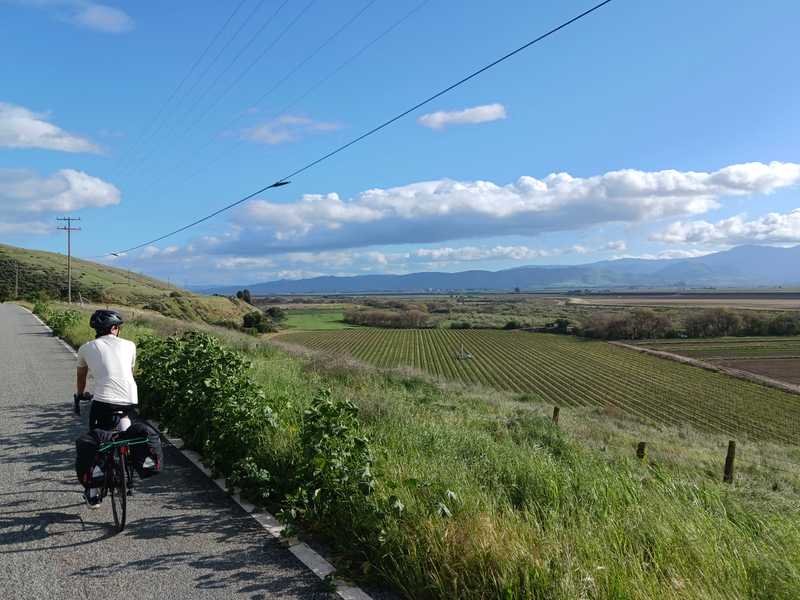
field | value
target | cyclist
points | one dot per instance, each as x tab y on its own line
110	359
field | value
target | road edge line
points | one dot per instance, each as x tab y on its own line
310	558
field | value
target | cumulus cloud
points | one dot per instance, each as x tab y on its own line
772	228
25	228
437	211
23	191
476	114
100	17
616	246
495	253
20	127
286	128
664	254
84	13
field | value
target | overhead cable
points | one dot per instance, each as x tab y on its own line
286	179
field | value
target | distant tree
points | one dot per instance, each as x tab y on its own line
276	313
713	322
561	325
246	296
252	319
753	323
239	294
785	324
516	290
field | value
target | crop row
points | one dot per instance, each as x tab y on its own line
567	371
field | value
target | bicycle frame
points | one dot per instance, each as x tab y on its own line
118	476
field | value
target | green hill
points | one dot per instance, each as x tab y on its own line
46	272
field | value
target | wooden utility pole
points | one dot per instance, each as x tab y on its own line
69	229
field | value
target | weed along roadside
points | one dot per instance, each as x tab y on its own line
440	492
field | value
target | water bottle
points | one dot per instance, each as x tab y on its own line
124	423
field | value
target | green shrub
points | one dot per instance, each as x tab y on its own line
337	458
204	392
252	319
61	320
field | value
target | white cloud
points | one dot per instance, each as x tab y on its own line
691	253
26	228
84	13
286	128
772	228
616	246
23	191
22	128
436	211
100	17
476	114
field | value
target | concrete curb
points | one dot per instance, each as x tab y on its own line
311	559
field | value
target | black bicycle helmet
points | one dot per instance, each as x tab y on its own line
104	320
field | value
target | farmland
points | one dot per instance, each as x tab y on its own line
566	371
777	358
730	348
315	319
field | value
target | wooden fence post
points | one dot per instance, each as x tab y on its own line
641	450
555	415
729	459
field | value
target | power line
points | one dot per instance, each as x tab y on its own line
210	65
176	166
161	111
244	48
285	180
247	69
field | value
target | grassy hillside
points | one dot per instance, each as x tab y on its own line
100	284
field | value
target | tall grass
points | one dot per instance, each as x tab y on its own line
497	502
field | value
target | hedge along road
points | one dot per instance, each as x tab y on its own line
184	538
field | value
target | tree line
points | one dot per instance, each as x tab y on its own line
397	319
711	322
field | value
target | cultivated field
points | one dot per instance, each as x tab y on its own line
563	370
730	348
774	357
314	319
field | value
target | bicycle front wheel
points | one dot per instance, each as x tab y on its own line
119	492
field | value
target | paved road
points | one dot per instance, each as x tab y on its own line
185	538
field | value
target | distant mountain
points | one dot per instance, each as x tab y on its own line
744	266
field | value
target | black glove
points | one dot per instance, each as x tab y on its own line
77	401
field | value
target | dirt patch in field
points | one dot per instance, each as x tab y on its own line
782	369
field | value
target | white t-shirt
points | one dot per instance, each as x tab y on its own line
110	360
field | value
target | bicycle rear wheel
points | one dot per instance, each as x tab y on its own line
119	491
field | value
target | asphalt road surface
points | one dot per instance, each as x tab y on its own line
184	537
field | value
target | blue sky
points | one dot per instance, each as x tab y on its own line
647	129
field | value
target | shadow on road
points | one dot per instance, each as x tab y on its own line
223	547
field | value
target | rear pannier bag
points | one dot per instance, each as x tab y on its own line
89	463
148	459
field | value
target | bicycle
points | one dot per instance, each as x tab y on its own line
118	473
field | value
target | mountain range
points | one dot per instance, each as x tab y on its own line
743	266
